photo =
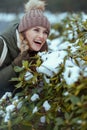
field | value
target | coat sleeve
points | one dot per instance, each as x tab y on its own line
5	76
6	70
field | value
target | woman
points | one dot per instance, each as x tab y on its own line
21	40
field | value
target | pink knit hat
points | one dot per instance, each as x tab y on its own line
34	16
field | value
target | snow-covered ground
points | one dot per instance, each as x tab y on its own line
52	17
5	18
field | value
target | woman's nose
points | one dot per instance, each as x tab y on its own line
41	36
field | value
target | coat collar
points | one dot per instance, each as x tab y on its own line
18	39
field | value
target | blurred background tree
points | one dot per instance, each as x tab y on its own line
52	5
67	5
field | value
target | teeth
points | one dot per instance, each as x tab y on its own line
38	41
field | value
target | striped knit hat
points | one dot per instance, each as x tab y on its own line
34	16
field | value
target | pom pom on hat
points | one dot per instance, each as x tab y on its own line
35	4
34	16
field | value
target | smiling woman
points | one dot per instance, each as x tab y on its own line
36	37
23	39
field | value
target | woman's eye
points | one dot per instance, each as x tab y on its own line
37	30
46	32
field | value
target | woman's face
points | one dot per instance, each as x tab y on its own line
36	37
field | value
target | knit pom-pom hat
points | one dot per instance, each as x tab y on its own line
34	16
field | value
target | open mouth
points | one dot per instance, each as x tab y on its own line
38	42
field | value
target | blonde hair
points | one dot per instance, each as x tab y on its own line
24	43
